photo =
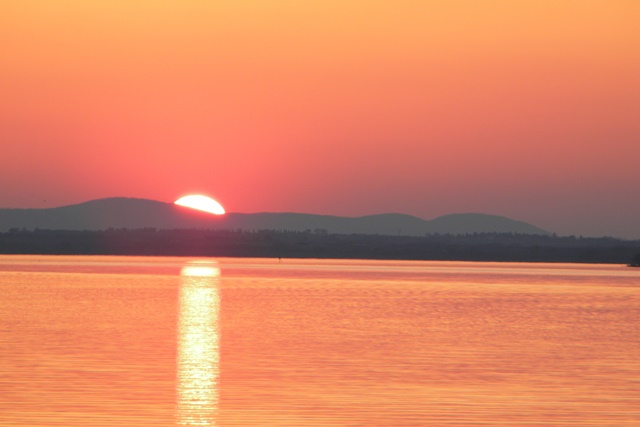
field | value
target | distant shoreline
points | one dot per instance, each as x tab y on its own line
496	247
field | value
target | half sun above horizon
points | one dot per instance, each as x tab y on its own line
201	203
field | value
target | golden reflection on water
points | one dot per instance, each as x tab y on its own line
198	345
98	341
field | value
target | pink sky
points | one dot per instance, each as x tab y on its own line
527	109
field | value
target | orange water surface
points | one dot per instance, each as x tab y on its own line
153	341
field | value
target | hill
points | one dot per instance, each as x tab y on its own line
132	213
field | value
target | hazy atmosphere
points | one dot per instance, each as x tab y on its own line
526	109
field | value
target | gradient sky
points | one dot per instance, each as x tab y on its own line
528	109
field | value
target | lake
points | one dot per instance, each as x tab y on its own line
155	341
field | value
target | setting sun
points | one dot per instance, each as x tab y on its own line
201	203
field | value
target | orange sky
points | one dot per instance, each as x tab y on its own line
528	109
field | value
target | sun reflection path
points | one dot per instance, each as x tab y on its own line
198	345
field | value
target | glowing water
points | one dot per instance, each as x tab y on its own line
135	341
198	345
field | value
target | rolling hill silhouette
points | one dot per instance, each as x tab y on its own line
120	212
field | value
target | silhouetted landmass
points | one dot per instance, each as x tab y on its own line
124	226
320	244
119	212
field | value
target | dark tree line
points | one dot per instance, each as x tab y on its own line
320	244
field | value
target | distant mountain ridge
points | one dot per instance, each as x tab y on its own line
121	212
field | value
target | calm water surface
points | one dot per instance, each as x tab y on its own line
137	341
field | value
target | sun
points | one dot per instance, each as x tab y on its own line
201	203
